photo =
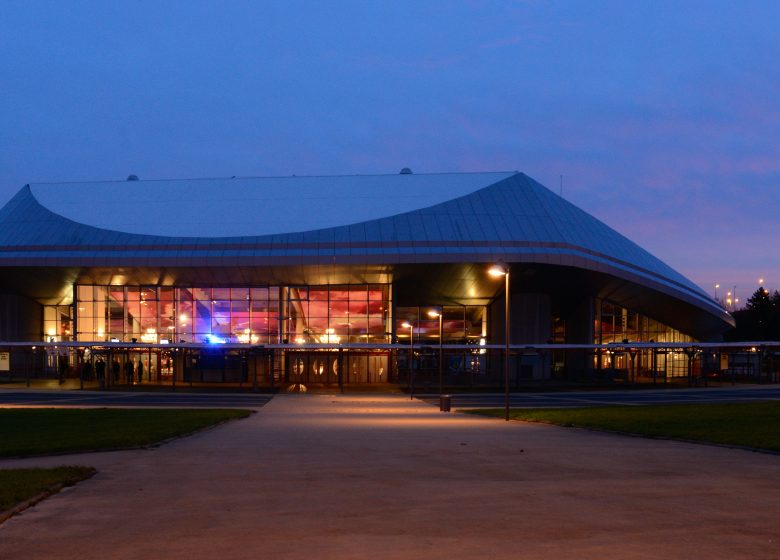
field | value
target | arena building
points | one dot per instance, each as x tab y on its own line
329	279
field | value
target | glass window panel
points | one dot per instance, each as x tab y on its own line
100	308
298	309
116	317
201	293
239	293
339	308
299	293
239	325
166	309
116	293
86	309
148	324
239	306
339	293
358	307
318	294
376	325
165	294
377	293
259	293
133	309
220	326
50	328
148	293
358	291
318	324
185	312
221	308
85	293
259	323
475	321
202	310
184	329
318	308
133	293
183	294
167	326
100	327
86	325
376	307
100	293
273	324
428	328
358	325
221	293
148	308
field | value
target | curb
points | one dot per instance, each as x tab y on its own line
20	507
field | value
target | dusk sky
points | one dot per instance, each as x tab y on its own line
663	117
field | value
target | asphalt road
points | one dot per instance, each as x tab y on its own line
133	399
568	399
606	398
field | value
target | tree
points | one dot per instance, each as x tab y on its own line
760	319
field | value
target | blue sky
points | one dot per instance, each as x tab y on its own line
662	117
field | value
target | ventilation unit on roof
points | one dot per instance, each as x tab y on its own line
406	171
132	177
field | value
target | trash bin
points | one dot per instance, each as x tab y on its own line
444	403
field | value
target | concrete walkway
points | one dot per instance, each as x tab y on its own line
379	477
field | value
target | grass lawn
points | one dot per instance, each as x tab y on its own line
49	431
745	424
18	485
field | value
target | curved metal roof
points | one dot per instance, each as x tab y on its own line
485	217
251	206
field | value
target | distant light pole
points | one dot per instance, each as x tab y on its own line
433	314
408	325
502	269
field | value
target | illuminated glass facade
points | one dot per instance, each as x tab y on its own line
460	324
57	323
616	324
256	315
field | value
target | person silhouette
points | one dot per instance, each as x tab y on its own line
115	369
100	371
129	371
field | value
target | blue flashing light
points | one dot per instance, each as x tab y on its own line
213	339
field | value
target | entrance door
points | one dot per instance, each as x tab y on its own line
313	368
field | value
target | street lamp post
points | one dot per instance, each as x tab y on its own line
502	269
432	313
409	326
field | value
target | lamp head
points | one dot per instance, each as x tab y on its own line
433	314
498	269
406	325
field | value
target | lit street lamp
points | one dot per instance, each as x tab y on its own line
433	314
409	326
502	269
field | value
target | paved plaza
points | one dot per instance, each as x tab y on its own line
381	476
